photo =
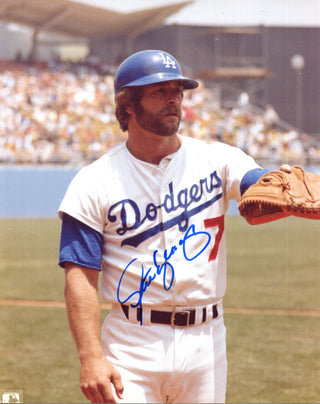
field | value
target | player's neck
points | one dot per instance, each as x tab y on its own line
152	149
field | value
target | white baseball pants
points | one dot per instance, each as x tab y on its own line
162	364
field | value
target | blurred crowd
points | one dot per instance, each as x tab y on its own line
65	115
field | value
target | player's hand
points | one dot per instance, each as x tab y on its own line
286	168
96	377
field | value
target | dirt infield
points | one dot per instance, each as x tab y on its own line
232	310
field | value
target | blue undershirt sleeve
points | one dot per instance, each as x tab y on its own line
79	244
251	177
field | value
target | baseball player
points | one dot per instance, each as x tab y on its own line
150	216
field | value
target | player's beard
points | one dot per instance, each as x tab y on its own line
159	123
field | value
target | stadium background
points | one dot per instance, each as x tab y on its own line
272	303
260	85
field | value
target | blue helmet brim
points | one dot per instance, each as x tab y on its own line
155	78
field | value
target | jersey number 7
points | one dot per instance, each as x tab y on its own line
219	222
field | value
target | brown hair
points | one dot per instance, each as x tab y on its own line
125	97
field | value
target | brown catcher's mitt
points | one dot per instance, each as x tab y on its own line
281	193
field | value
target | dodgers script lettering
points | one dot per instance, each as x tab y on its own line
187	201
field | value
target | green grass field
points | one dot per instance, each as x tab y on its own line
273	356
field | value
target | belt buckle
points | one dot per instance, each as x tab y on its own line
173	315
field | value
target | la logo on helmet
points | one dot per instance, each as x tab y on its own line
167	61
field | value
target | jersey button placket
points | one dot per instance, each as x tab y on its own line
169	236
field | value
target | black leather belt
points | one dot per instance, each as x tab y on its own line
182	318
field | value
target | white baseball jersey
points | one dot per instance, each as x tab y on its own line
163	225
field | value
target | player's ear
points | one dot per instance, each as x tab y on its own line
130	109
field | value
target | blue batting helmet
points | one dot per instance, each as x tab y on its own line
150	67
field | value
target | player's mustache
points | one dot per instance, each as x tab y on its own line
172	110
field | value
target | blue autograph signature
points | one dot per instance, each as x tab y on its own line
166	269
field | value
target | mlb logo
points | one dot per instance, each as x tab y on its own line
11	397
